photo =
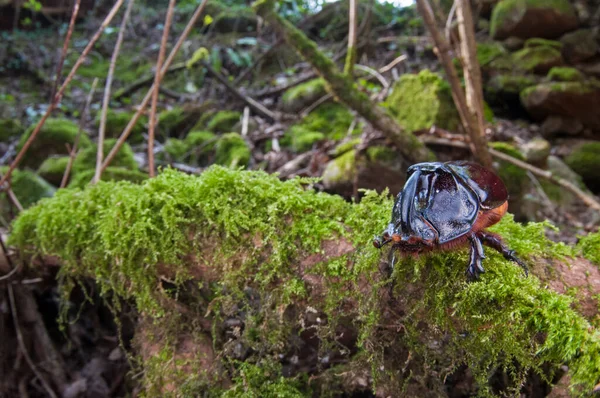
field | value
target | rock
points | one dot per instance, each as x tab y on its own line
116	121
565	74
223	121
232	150
10	128
532	18
536	151
515	178
420	101
53	139
303	95
538	56
557	125
513	43
504	89
579	45
488	52
569	99
592	67
80	180
53	169
585	161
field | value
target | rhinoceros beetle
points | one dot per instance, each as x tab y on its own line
446	205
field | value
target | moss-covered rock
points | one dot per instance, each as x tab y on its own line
421	101
52	139
575	100
116	121
27	186
53	169
298	98
263	268
83	178
536	151
585	161
514	177
488	52
579	45
301	139
201	145
235	19
176	149
565	74
532	18
223	121
232	150
590	247
503	89
10	128
340	172
86	158
539	42
538	59
176	122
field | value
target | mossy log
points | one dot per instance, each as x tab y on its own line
343	87
249	286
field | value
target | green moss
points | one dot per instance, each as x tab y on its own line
565	74
235	19
10	128
537	59
299	97
513	176
589	246
585	161
232	150
508	84
381	154
27	186
116	121
83	178
488	52
53	169
421	101
223	121
346	146
201	144
86	158
127	69
300	139
341	170
176	149
539	42
177	121
51	140
125	235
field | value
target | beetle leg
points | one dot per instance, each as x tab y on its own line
495	242
475	268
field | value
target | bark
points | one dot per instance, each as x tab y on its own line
343	88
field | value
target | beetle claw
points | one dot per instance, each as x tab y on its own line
495	242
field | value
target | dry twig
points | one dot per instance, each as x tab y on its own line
107	89
157	80
63	54
351	52
61	91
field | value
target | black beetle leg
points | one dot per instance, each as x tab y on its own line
495	242
475	268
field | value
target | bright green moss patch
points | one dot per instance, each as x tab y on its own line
585	161
83	178
537	59
565	74
590	247
86	158
539	42
300	139
27	186
52	139
223	121
254	232
10	128
487	52
232	150
176	149
299	97
116	121
421	101
53	169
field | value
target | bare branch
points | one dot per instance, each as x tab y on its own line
351	53
63	54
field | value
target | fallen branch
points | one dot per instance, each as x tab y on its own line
343	87
61	91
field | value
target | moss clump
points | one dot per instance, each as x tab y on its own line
83	178
341	170
51	140
223	121
126	235
177	121
300	139
53	169
176	149
86	159
565	74
10	128
27	186
421	101
514	177
116	121
537	59
585	161
232	150
201	144
264	380
589	246
539	42
488	52
297	98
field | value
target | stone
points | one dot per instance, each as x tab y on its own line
565	74
579	45
536	151
513	43
538	58
585	161
532	18
557	125
569	99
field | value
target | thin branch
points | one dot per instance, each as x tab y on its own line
107	89
13	269
73	151
34	369
157	80
238	80
351	53
393	63
142	106
315	104
61	91
374	73
63	54
245	120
